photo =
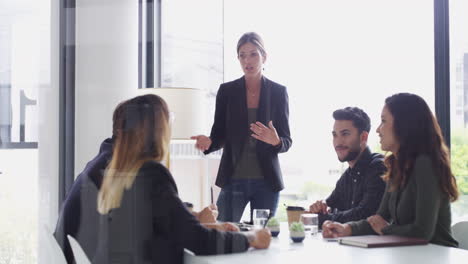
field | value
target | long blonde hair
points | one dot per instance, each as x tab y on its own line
142	133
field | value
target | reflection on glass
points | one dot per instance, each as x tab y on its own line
24	71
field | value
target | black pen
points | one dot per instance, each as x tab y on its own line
211	190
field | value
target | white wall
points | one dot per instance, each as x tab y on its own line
106	69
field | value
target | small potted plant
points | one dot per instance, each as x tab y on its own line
274	226
296	231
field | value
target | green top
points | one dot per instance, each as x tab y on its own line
420	209
248	166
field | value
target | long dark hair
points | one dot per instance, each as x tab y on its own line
418	133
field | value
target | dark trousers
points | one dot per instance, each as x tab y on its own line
235	196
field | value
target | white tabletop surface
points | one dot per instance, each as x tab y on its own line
315	248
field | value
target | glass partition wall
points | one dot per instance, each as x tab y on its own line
25	78
330	54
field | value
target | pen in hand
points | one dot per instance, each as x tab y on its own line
211	193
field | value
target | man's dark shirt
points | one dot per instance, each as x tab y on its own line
359	190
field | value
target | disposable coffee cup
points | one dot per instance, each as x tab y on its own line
294	213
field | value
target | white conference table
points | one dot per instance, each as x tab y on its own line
315	248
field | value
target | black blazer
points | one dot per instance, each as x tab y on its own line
152	225
231	128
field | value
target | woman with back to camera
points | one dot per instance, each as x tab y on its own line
144	221
251	124
420	183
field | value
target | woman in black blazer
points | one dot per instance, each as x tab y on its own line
251	125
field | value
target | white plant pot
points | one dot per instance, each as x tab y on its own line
296	233
274	228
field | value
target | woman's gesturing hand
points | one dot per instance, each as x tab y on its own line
265	134
203	142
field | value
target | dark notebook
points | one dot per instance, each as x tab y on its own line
372	241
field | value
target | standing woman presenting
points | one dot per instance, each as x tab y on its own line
251	125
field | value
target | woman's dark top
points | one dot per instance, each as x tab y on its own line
420	209
152	225
248	166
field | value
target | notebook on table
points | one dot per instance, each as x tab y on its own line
372	241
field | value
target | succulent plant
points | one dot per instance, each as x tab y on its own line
296	227
273	222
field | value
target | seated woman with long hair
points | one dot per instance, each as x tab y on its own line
143	220
420	183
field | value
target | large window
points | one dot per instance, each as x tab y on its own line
333	54
459	102
192	44
190	56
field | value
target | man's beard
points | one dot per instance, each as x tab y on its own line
353	153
